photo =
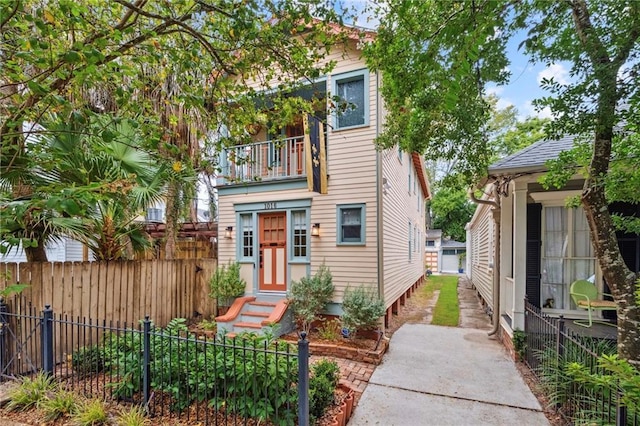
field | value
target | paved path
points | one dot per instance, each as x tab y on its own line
447	376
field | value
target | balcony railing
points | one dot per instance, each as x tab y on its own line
260	161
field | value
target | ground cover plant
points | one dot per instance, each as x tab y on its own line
446	312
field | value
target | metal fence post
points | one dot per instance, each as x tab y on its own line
621	410
47	339
146	362
560	337
303	380
3	343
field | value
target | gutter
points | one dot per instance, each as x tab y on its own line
496	256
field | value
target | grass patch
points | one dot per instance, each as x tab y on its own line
447	311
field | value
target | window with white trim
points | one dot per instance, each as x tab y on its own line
351	224
567	254
299	229
351	98
246	232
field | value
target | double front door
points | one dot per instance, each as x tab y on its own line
273	251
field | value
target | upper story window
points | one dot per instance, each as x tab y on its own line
431	243
351	224
352	103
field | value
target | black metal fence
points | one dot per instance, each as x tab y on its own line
172	373
554	352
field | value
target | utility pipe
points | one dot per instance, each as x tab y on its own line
495	203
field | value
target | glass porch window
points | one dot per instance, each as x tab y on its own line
567	255
299	234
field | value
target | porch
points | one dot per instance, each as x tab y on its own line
263	161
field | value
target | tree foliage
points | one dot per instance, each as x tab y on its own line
451	211
438	57
177	69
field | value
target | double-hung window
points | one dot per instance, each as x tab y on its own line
351	99
351	224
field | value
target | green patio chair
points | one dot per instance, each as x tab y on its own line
585	295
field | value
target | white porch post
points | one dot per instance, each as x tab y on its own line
519	252
506	254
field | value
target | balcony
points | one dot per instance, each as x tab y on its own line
263	161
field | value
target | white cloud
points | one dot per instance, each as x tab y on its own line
528	110
559	73
495	90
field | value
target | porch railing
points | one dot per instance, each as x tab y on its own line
275	159
550	347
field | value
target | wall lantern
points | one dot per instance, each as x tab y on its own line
227	232
315	230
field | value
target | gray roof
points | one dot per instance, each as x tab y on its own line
452	244
532	157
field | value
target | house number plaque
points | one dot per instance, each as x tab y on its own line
270	205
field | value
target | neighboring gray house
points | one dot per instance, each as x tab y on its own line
64	250
543	245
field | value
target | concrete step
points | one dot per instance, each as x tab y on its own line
260	306
253	316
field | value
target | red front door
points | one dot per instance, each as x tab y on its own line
273	251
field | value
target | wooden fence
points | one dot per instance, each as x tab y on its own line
124	291
185	249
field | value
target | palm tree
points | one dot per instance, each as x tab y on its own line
89	180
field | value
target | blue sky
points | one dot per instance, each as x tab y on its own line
524	85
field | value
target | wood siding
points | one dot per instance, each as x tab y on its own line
401	206
351	167
481	252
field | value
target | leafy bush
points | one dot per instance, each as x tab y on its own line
30	392
88	360
322	385
614	375
248	375
309	296
362	310
225	284
555	378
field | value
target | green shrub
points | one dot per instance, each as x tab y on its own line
520	343
225	284
133	416
59	404
362	310
248	376
310	296
91	413
614	375
322	385
88	360
30	392
330	330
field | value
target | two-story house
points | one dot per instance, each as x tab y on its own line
322	193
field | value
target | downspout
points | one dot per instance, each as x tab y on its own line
496	255
379	212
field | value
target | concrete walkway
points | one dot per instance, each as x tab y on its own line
436	375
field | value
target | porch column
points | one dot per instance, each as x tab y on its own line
506	255
519	252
